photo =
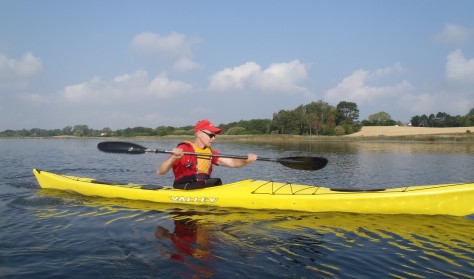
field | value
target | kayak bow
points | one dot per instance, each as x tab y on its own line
444	199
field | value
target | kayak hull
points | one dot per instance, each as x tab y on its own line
443	199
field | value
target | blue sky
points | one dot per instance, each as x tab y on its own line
122	64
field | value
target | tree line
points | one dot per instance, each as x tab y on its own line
442	119
315	118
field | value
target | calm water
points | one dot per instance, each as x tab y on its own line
54	234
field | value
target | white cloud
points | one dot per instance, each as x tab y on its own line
234	78
282	77
124	89
356	87
83	92
134	79
162	87
454	103
418	104
453	34
387	71
278	77
14	74
185	64
27	66
175	44
454	100
34	98
459	69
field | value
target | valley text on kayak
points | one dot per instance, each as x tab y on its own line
192	199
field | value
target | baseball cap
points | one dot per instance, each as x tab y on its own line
206	125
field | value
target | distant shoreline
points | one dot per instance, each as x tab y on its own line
367	133
371	131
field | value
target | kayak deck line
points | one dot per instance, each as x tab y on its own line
112	183
279	187
455	199
313	190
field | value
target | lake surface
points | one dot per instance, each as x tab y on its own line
55	234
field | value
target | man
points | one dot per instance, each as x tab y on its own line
193	172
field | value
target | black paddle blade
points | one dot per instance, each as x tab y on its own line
121	147
303	163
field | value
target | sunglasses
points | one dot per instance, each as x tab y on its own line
210	135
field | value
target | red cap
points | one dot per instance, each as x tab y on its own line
206	125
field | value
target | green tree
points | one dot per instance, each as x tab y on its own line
469	118
286	122
424	120
67	130
380	119
253	126
164	130
80	131
318	115
415	121
236	131
347	112
106	132
339	130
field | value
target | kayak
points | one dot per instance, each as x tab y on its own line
444	199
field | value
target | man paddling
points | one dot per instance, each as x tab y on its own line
194	172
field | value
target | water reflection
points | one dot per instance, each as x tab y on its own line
321	147
280	242
190	239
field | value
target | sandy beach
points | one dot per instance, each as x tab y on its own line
370	131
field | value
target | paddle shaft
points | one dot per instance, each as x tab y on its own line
299	162
209	155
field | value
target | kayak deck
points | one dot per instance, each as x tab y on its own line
445	199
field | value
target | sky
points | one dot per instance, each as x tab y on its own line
120	64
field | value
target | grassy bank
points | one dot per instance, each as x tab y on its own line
446	138
464	137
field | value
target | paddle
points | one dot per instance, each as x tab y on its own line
299	163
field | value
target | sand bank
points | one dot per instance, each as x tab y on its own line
370	131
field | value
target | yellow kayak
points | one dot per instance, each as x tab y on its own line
443	199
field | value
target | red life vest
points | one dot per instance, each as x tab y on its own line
198	167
